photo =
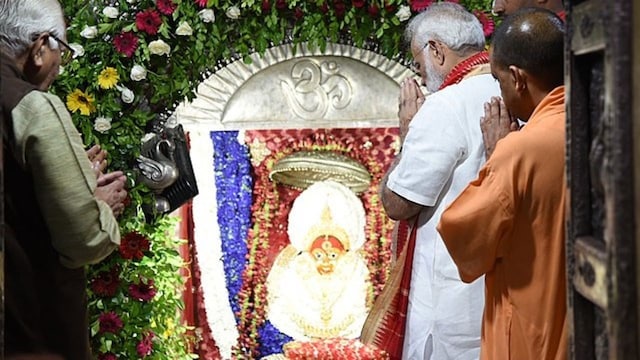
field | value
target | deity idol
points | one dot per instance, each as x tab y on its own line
318	285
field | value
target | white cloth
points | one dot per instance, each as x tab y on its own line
443	151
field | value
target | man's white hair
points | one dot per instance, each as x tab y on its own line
22	20
448	23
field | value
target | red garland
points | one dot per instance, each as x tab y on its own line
464	67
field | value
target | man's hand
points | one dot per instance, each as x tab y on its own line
496	123
98	159
111	189
411	99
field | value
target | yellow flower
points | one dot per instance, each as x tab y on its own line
108	78
79	101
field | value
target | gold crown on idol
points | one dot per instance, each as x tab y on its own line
303	168
327	227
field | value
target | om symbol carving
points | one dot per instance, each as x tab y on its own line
314	87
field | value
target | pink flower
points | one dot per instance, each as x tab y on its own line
419	5
133	246
145	346
107	356
148	21
487	24
166	7
110	322
201	3
126	43
142	291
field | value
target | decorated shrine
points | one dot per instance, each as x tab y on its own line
270	125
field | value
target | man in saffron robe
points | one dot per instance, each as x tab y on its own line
509	223
441	152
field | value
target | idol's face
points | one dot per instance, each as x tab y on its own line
326	252
508	7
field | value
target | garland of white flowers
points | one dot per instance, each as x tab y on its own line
208	246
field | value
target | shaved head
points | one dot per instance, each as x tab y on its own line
531	39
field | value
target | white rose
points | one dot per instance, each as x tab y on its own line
78	50
159	47
233	12
126	95
184	29
89	32
138	72
110	12
102	124
207	15
404	13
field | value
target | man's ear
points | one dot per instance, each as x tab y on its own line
38	50
519	78
436	50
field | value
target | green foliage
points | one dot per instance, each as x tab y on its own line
170	76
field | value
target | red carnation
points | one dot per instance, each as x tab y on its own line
281	4
487	24
126	43
166	7
297	13
145	346
142	291
106	283
419	5
110	322
148	21
201	3
107	356
133	246
374	10
389	7
358	3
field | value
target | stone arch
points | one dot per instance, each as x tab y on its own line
298	87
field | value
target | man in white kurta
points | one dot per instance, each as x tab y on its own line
442	151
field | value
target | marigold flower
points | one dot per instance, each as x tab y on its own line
106	283
80	101
142	291
108	78
166	7
110	322
126	43
148	21
133	246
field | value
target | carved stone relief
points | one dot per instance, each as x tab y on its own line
343	86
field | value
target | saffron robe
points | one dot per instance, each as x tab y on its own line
509	224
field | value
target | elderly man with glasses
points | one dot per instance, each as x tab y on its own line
58	210
442	151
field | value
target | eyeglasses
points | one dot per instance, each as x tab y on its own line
415	66
66	55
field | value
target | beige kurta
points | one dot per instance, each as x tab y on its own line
509	224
